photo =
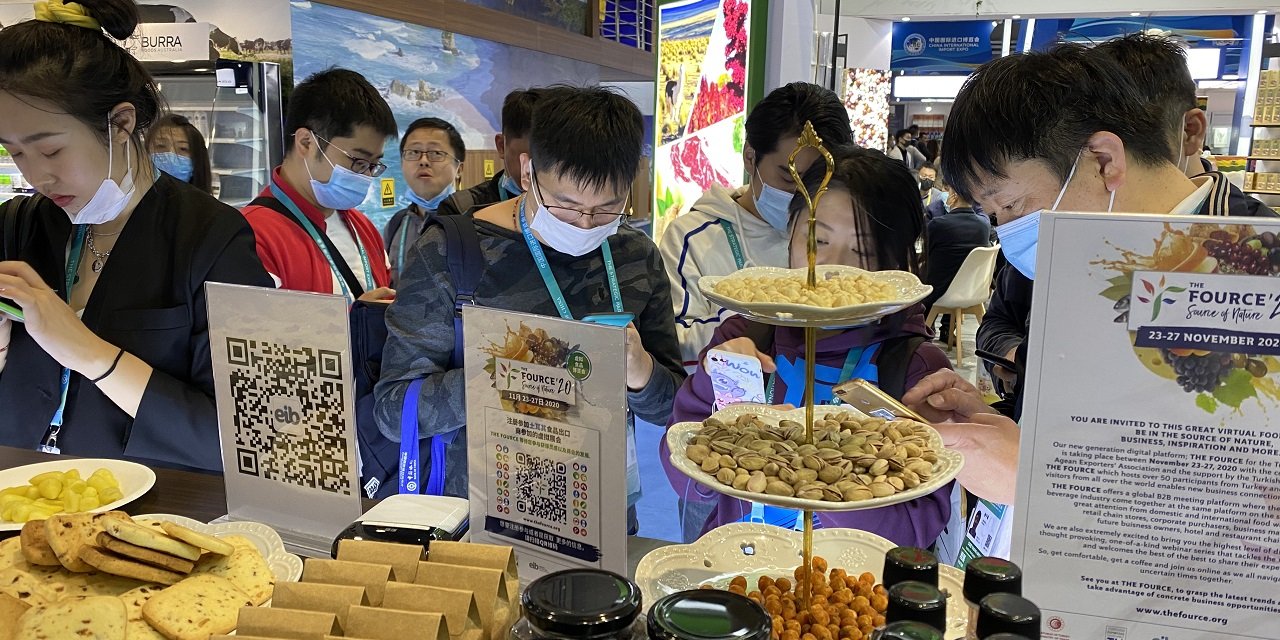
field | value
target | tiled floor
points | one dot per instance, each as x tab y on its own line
658	512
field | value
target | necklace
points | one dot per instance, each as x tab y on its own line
99	259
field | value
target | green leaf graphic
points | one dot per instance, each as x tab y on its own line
1125	279
1115	292
1238	388
1174	290
1206	402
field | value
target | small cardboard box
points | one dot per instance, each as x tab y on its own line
489	586
461	614
373	577
286	623
393	624
403	558
485	556
325	598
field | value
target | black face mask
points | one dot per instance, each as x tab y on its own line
926	185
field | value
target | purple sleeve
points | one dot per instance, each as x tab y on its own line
927	359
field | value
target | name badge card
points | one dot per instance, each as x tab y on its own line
547	436
283	383
1149	484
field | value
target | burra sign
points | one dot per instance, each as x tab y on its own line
162	42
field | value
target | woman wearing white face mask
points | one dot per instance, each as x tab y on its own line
108	261
729	229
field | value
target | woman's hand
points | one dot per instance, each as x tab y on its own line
52	324
380	294
747	347
944	396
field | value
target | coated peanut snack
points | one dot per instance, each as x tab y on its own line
841	606
852	457
831	292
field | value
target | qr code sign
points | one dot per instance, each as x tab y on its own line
542	488
289	420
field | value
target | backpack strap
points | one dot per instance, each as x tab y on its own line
466	267
353	283
464	201
893	362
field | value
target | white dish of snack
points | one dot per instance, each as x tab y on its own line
134	480
901	290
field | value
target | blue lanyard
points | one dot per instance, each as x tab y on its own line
544	268
856	363
50	443
735	247
315	237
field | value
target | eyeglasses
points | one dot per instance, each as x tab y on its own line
434	156
358	165
573	215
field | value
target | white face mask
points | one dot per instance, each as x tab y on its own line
773	204
111	199
566	238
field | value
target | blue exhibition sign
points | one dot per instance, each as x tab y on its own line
1227	33
941	47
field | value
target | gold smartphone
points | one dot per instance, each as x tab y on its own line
869	399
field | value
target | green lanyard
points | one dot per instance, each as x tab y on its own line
734	245
544	269
324	249
50	442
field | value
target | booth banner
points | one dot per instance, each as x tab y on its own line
866	99
546	435
1149	484
1228	33
941	47
177	42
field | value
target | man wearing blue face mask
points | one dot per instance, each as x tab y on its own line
308	232
511	143
729	229
431	156
1065	130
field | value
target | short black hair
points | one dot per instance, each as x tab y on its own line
785	110
333	102
914	129
1158	67
517	112
591	135
455	138
899	133
1044	106
886	204
927	165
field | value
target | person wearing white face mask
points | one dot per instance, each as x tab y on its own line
1065	130
108	261
431	156
559	250
728	229
309	234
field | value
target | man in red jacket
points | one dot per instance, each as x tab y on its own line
309	235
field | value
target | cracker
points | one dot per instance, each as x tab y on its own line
133	600
140	630
99	618
196	608
144	555
69	532
35	545
11	609
108	562
245	567
21	585
149	537
83	585
209	543
11	553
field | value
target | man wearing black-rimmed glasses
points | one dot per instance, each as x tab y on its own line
431	157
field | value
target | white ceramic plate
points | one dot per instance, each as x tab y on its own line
135	479
678	436
286	566
910	291
755	550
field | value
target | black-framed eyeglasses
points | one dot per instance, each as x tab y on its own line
434	156
573	215
358	165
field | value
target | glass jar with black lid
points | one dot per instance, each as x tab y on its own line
708	614
908	630
580	604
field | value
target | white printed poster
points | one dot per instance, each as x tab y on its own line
1149	485
547	439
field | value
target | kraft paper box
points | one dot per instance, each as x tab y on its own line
461	614
489	586
325	598
240	637
286	623
485	556
403	558
373	577
390	624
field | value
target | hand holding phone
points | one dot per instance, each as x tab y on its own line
11	311
869	399
735	378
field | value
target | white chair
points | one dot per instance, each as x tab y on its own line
968	293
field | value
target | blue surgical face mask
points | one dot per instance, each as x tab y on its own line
1019	238
773	204
429	205
178	166
946	202
345	189
508	186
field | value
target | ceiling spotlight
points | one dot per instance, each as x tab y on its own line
1135	14
1260	11
906	18
1017	17
995	22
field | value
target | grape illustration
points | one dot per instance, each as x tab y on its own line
1199	373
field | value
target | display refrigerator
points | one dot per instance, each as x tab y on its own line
236	106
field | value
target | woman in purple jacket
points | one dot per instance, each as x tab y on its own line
870	218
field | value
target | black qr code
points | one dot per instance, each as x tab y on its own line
290	424
542	488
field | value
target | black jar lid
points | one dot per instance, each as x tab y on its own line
1008	613
708	614
985	576
581	602
918	602
909	563
909	631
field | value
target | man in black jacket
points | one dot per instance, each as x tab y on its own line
948	240
517	113
1065	130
